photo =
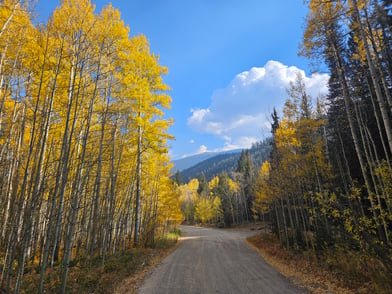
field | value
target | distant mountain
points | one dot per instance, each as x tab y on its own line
212	166
227	162
187	162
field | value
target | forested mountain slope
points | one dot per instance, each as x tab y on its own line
227	162
190	161
212	166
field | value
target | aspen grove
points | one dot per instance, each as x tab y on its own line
84	167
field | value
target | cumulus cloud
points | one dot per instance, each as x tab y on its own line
239	113
202	149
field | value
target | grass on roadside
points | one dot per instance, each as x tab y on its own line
169	240
131	265
338	271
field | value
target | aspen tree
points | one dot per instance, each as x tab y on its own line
67	87
327	15
380	98
146	92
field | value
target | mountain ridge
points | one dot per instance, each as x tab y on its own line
227	162
192	160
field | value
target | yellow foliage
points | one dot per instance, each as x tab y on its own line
204	209
77	92
233	185
213	183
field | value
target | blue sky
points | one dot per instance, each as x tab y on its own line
229	64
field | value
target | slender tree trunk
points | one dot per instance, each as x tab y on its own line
372	163
276	203
347	102
51	213
10	249
97	189
373	75
79	184
379	128
282	203
138	185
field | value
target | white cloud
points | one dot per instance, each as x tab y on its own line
239	113
238	143
191	141
202	149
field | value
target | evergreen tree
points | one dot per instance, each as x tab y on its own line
203	189
178	178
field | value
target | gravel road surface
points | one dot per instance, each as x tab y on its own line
215	261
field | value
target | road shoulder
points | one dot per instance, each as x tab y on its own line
131	284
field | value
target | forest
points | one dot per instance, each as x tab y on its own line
228	161
84	166
327	185
85	171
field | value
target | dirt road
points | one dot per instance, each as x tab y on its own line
215	261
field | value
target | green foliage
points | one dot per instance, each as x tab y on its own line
169	240
214	166
174	234
211	167
178	178
318	200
